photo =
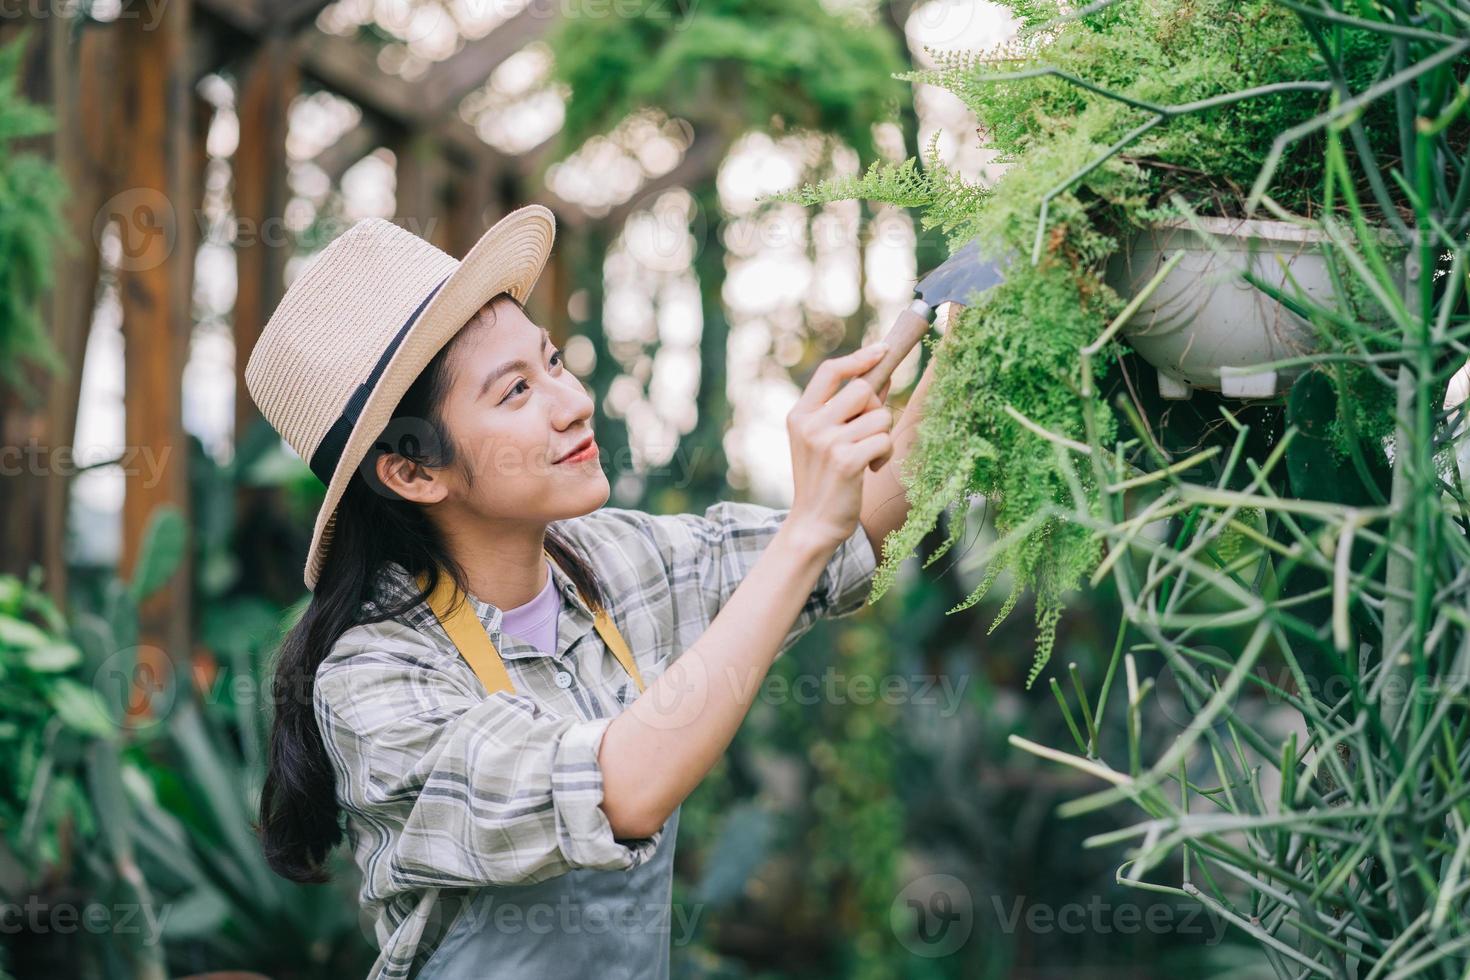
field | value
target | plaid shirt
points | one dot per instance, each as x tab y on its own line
447	789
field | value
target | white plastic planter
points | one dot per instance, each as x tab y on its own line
1205	326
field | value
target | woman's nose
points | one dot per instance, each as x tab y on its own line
573	405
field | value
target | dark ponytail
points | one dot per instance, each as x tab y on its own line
300	821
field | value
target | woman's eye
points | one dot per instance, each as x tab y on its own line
516	388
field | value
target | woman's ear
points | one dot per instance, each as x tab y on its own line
399	476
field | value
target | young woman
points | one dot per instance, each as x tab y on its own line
502	690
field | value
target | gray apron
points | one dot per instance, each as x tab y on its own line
614	925
584	923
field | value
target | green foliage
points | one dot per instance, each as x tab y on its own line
942	194
56	691
1321	463
194	798
1071	192
1322	544
157	808
49	713
68	687
31	192
164	541
728	64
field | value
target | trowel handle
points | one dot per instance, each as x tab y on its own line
910	325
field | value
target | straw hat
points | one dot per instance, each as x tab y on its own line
360	323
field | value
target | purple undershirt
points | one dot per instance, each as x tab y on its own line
535	621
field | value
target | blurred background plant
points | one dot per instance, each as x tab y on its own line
31	191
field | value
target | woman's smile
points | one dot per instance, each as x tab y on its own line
587	450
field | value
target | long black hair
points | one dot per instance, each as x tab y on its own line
300	821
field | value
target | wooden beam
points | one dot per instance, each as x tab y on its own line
269	81
248	16
446	84
350	67
355	144
472	193
371	133
287	15
422	188
699	163
155	219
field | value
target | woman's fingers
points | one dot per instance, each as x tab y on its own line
876	420
858	434
832	372
867	451
855	398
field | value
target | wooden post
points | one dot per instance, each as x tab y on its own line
471	192
269	81
154	214
555	288
422	174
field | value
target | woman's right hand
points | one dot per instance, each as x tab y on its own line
835	436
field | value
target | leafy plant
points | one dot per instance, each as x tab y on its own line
1296	567
68	689
1107	122
31	192
728	66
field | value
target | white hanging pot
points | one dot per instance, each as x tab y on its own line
1207	327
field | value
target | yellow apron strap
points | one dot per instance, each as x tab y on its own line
614	641
469	637
465	631
608	630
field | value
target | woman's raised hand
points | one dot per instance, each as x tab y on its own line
836	435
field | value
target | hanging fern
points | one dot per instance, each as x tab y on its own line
1015	351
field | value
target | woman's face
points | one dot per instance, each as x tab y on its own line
514	411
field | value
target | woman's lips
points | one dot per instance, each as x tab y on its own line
583	456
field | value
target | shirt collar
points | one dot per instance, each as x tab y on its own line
394	582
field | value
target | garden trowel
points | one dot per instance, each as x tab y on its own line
955	280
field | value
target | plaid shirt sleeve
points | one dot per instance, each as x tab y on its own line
707	556
478	790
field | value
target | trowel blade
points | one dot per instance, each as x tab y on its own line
958	277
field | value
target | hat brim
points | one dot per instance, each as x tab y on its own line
509	258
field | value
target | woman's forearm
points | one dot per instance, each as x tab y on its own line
657	751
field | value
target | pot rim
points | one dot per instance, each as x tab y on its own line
1275	231
1241	229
